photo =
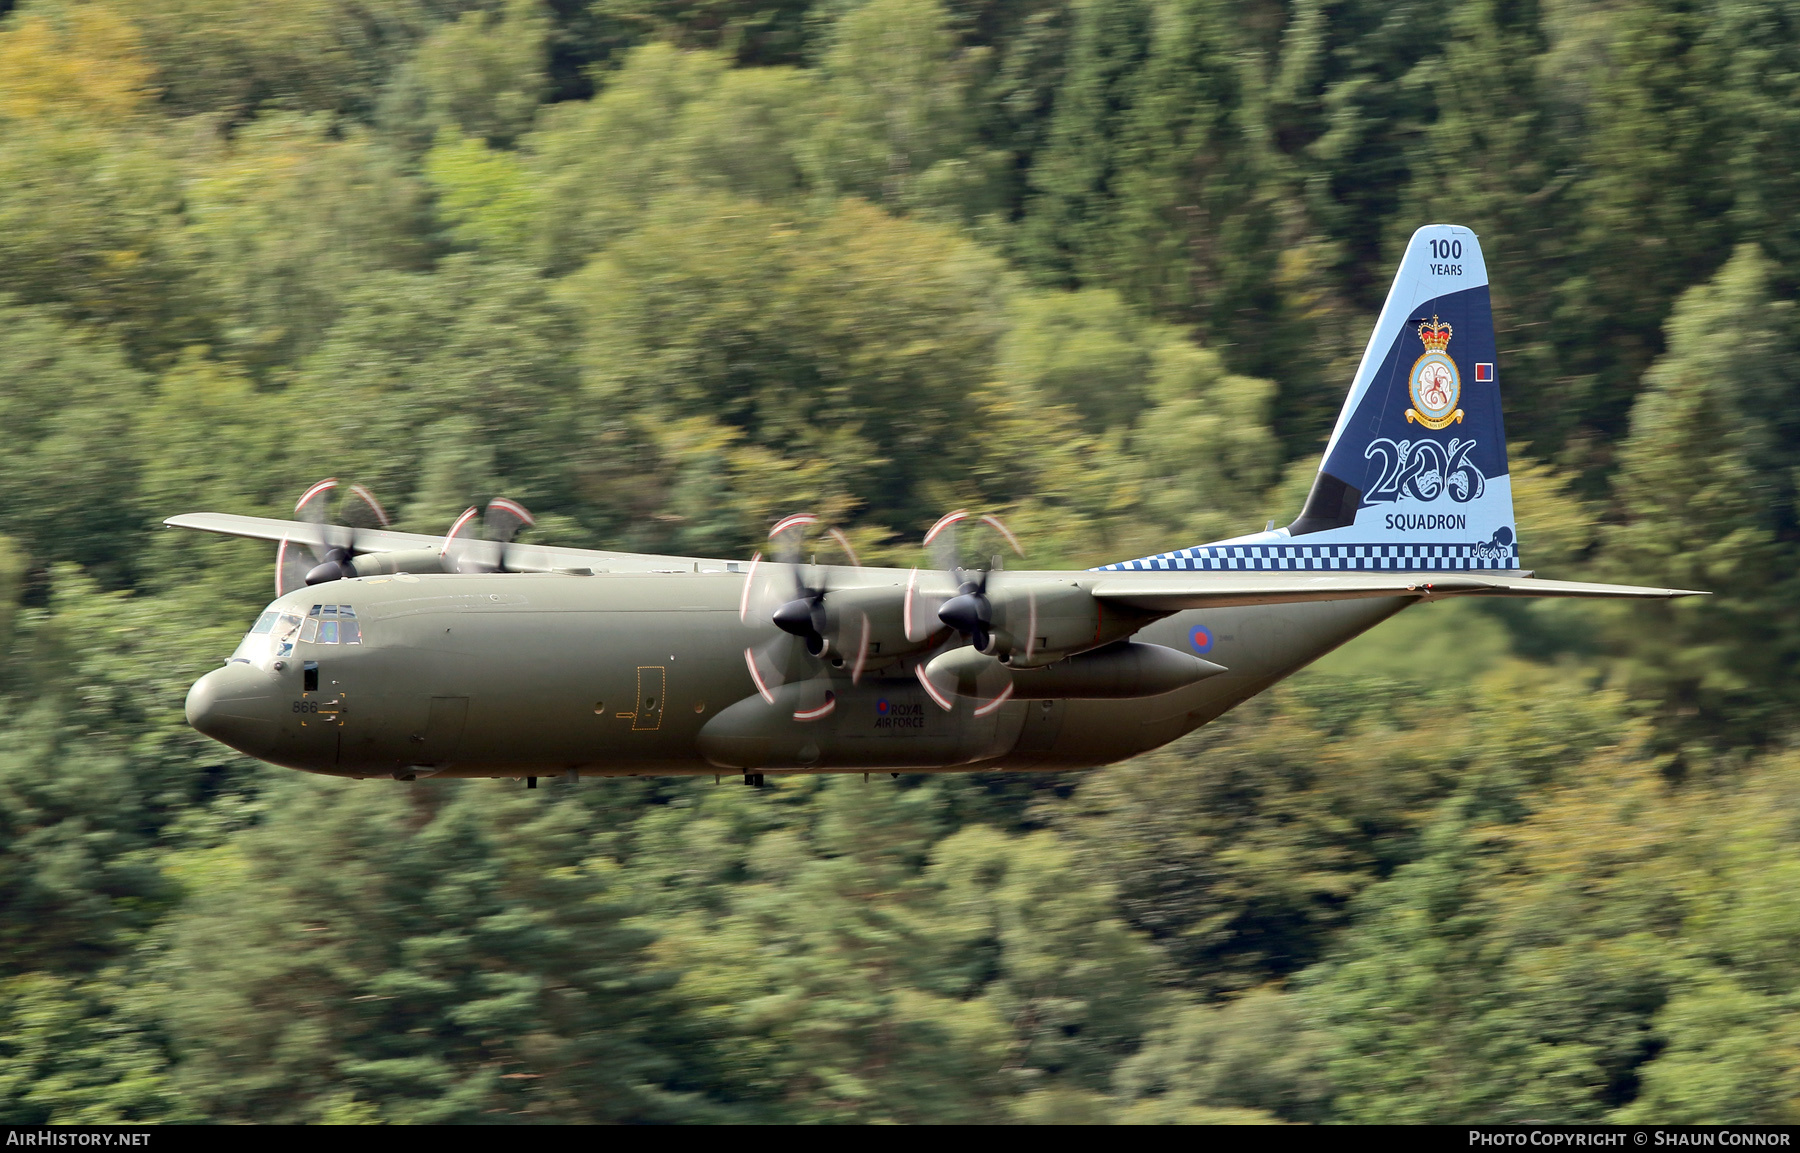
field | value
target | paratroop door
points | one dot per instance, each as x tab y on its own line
651	681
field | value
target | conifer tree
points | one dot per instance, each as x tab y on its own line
1706	493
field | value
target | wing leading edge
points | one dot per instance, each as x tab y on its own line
1172	593
539	558
1154	592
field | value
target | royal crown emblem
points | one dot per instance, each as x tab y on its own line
1435	385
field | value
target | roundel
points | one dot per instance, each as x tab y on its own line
1201	639
881	706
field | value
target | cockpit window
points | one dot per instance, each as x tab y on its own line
276	632
255	645
331	625
285	630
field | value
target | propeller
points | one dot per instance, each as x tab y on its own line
322	551
793	596
467	550
963	600
324	547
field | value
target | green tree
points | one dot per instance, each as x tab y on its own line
1241	850
235	57
1707	497
481	75
287	220
1730	1061
423	958
1653	223
914	976
840	350
1160	180
483	343
1727	1036
666	120
68	476
1257	1054
1756	44
845	1021
80	1053
894	121
90	190
1500	160
752	34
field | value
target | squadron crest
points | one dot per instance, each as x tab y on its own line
1435	385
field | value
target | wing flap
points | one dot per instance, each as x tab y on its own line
1158	592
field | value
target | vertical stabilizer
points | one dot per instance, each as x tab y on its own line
1414	476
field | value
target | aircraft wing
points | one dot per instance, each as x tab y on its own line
527	558
1160	592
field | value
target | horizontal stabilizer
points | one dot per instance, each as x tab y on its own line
525	558
1172	593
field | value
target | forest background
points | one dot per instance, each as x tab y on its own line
665	270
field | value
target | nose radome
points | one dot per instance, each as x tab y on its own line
202	696
234	705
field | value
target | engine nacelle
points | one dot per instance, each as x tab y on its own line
1119	671
387	563
1040	624
883	608
1035	623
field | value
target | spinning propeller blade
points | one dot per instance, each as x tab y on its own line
322	551
324	546
794	597
969	610
483	548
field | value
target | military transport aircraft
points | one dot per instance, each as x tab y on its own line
398	655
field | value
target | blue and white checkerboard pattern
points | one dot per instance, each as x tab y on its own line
1327	558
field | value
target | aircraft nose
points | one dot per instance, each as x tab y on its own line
233	705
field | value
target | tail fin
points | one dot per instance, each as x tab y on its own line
1415	474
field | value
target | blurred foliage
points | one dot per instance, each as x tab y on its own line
667	271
